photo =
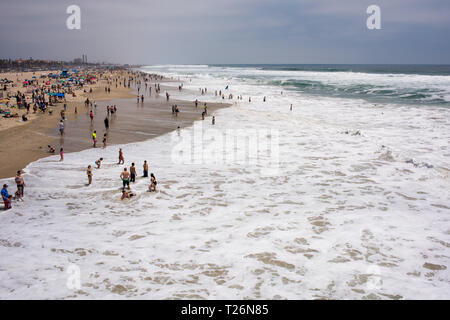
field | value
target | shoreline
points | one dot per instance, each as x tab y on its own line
133	123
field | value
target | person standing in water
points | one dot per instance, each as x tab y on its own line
91	115
213	120
132	173
20	183
106	123
89	174
145	169
125	176
104	140
61	154
121	159
291	107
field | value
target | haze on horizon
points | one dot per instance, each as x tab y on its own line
228	31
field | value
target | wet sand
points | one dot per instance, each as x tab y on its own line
133	122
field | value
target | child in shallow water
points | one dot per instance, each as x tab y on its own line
99	162
152	187
127	194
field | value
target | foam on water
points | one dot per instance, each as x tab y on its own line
359	209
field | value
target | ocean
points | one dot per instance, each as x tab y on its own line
350	200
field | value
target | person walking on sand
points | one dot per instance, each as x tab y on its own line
61	154
89	174
125	176
132	173
121	158
145	169
20	183
5	196
152	187
61	127
94	138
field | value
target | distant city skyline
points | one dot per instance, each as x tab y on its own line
229	32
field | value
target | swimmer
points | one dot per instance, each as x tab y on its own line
127	194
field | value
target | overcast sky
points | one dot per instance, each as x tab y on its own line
228	31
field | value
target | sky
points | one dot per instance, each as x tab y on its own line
228	31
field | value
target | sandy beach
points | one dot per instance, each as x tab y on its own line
28	141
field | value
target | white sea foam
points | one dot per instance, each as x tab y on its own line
348	216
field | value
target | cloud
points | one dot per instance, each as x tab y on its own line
228	31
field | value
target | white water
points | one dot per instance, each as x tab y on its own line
344	218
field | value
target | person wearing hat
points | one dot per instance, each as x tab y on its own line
5	197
